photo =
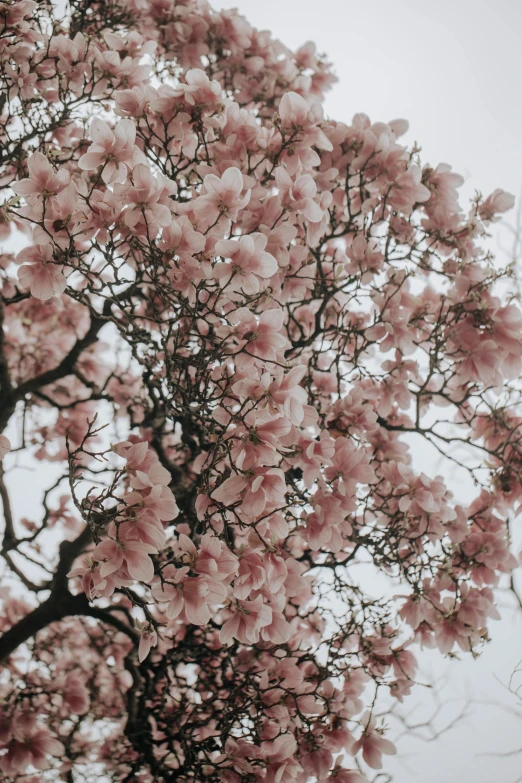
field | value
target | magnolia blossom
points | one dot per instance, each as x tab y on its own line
43	180
28	744
199	89
146	197
499	201
195	596
373	744
248	263
148	639
246	622
114	149
221	196
299	194
256	492
133	555
261	338
40	274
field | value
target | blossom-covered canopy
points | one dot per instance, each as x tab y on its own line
228	325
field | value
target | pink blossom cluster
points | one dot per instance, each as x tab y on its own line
136	532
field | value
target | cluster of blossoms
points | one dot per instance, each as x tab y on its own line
263	303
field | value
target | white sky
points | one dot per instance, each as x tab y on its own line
453	69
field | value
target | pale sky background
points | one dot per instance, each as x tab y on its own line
453	69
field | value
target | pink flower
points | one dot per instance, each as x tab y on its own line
75	694
42	180
134	555
61	218
282	764
278	631
22	81
149	476
93	584
312	455
251	576
354	685
200	90
137	560
41	276
497	202
110	554
143	525
105	211
351	464
408	190
265	488
148	639
299	194
221	196
180	238
373	744
294	110
482	355
246	622
417	610
215	559
146	200
261	338
443	183
297	114
161	500
288	395
115	149
249	263
30	745
14	14
258	446
137	455
196	596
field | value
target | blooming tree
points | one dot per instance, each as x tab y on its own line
226	322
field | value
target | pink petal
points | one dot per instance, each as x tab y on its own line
101	133
91	160
232	181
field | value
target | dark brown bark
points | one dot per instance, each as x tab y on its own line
56	607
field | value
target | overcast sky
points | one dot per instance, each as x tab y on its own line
453	69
